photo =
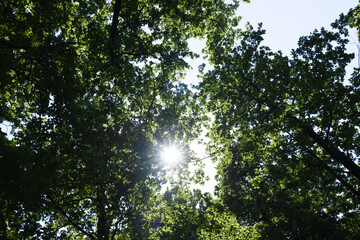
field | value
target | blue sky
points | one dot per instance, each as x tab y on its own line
287	20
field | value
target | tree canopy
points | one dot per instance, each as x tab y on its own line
286	133
91	93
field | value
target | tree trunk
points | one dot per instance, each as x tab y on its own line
103	227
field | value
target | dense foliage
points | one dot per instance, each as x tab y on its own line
91	94
286	133
90	91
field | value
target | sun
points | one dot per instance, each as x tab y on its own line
171	156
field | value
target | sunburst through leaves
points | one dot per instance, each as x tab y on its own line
171	156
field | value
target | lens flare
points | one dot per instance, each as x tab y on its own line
171	156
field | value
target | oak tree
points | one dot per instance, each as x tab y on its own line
89	88
286	133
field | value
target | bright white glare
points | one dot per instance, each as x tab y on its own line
171	156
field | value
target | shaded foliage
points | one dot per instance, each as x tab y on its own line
89	89
286	133
91	93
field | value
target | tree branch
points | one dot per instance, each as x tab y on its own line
8	45
5	44
113	30
152	102
332	172
335	153
70	220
